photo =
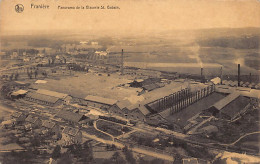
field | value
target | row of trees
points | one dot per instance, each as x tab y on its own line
81	153
14	76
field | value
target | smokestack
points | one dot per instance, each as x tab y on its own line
250	78
221	75
201	75
122	62
238	75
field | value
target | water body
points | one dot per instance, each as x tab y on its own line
192	68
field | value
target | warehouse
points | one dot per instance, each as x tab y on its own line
47	97
120	108
138	112
99	102
231	107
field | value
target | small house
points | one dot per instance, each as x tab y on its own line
33	121
71	136
50	126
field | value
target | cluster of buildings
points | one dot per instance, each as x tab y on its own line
165	105
68	135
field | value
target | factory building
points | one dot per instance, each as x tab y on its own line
99	102
47	97
231	107
120	108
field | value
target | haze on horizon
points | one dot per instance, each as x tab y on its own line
133	17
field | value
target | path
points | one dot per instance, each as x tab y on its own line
138	150
193	130
233	143
95	126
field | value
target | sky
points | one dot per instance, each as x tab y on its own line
133	16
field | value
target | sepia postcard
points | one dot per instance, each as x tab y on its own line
129	81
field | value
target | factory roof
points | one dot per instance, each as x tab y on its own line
20	82
225	101
181	118
216	80
165	113
151	87
141	107
159	93
235	106
42	97
70	116
101	100
51	93
123	104
40	81
19	92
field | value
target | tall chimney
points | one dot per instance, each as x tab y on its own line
201	75
122	62
238	75
250	78
221	75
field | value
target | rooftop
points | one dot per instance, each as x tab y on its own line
235	106
16	114
101	100
19	92
42	97
48	124
228	99
70	116
31	119
181	118
70	131
51	93
123	104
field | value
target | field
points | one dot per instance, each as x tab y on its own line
111	128
82	85
250	142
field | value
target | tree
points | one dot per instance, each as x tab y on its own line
65	158
35	73
115	156
29	74
56	152
157	161
177	159
11	77
129	155
87	153
64	59
16	76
